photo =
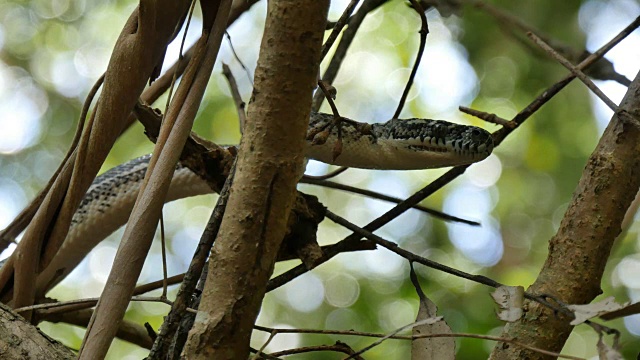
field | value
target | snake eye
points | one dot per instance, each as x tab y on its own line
475	132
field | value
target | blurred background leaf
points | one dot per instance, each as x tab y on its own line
51	52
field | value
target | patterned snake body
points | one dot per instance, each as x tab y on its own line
396	144
409	144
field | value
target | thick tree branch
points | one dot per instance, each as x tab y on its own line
579	251
269	165
139	232
21	340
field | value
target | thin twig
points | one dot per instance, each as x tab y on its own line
488	117
396	331
337	347
408	254
345	41
337	27
376	195
575	71
424	31
434	265
93	301
411	337
328	96
180	59
264	355
329	175
235	94
235	55
139	290
188	286
164	258
261	350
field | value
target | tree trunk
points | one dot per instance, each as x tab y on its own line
579	251
269	166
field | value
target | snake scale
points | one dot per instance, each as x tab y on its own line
395	145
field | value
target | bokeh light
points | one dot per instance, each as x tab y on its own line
52	52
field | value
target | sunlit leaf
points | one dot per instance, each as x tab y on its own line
510	299
432	347
588	311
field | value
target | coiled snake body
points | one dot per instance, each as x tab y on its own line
394	145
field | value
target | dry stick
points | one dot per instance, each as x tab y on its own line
180	304
347	38
166	110
259	352
65	306
450	175
180	60
488	117
337	28
408	254
164	258
449	270
127	330
329	175
579	74
90	301
263	355
8	234
235	94
424	31
235	56
410	337
69	306
376	195
338	347
139	231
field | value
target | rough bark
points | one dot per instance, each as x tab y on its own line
268	167
21	340
579	251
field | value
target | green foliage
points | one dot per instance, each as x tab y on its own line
51	45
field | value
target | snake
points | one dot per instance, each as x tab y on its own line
398	144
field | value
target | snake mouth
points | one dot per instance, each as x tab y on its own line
427	148
457	148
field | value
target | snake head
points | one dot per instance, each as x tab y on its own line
476	141
397	144
425	143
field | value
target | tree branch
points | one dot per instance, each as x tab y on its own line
269	165
579	251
